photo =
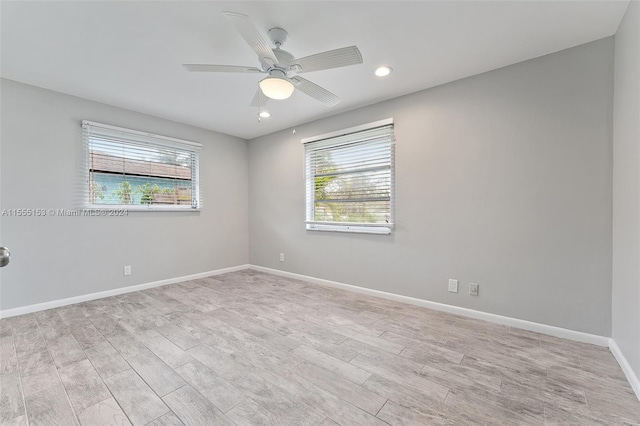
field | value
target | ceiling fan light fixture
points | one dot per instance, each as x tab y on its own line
382	71
276	87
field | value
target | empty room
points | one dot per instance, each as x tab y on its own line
320	213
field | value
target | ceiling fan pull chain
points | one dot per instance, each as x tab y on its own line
294	112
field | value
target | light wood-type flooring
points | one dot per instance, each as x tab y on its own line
250	348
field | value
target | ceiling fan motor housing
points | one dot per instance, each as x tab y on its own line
285	59
278	36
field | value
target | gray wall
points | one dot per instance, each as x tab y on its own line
503	179
626	188
59	257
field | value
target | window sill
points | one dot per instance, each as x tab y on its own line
354	229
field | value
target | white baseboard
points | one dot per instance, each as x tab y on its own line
485	316
101	294
634	381
499	319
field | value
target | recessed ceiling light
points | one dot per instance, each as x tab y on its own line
382	71
264	114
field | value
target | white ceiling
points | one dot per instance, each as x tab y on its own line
129	54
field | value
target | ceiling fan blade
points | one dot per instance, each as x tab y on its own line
330	59
315	91
259	99
251	35
219	68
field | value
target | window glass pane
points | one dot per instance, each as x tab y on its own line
129	170
350	181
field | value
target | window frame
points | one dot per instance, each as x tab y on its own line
309	176
193	148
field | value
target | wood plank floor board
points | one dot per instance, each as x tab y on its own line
382	356
555	416
400	394
169	419
219	361
18	421
251	327
395	414
229	339
6	329
23	323
457	375
603	365
372	339
41	380
29	342
343	388
316	335
218	390
194	328
250	348
165	349
158	375
65	350
250	413
290	408
510	409
71	314
339	410
193	409
37	371
409	378
35	362
103	413
178	336
11	404
8	356
552	394
106	325
83	385
346	370
106	360
339	351
50	407
126	344
138	401
93	307
86	334
613	404
278	365
423	352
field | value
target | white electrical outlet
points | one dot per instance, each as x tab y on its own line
453	286
473	289
281	257
126	270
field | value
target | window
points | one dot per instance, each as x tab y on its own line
139	171
349	179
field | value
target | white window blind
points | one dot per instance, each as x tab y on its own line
140	171
350	179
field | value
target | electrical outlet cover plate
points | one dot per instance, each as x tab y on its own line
453	286
126	270
473	289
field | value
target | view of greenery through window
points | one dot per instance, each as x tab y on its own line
123	174
352	184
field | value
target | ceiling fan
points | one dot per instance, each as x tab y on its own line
281	67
